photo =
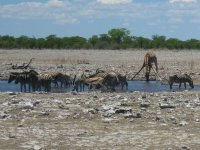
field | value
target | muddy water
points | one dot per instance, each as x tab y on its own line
151	86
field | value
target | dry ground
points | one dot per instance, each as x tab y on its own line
95	120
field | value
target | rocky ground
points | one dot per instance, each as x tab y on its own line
96	120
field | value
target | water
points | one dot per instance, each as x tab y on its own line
11	87
151	86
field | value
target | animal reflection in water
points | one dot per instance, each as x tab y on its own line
181	78
149	59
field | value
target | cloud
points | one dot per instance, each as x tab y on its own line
55	3
51	10
78	11
111	2
185	1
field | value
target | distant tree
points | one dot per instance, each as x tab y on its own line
141	42
158	41
93	40
7	42
117	38
41	43
173	43
118	35
77	42
192	44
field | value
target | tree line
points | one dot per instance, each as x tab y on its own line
118	38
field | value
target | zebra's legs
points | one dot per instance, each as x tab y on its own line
180	85
185	84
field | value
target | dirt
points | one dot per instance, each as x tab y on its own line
100	120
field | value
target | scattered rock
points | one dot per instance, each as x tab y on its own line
28	105
185	147
166	105
44	113
183	123
123	110
11	135
3	115
37	147
145	104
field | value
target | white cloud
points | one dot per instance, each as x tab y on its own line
77	11
111	2
55	3
185	1
52	9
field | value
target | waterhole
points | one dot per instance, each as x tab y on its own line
151	86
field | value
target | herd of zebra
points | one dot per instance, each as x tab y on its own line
101	79
105	80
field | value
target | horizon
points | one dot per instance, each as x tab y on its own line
65	18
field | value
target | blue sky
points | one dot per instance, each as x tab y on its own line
40	18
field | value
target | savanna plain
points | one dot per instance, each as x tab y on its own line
101	120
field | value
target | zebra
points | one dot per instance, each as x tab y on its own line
121	78
33	80
181	78
44	80
19	77
59	77
65	80
55	77
149	59
26	77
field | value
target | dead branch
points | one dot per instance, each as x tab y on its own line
24	66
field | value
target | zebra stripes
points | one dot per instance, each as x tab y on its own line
180	78
38	82
46	80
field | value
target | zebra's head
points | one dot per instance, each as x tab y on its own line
191	84
189	80
12	77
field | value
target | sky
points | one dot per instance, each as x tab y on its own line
40	18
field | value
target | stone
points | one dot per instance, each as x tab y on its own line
3	115
28	105
123	110
166	105
183	123
145	104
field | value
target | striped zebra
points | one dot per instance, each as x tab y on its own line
67	80
122	79
55	77
180	78
149	59
62	78
18	78
44	81
33	80
24	78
